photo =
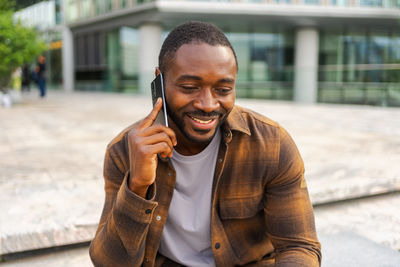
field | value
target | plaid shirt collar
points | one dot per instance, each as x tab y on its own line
234	122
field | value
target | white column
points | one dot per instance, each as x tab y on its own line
67	53
306	65
150	44
68	60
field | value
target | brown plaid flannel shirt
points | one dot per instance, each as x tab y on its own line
261	213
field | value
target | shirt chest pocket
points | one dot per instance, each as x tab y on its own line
240	207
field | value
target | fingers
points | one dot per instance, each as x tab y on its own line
163	149
152	139
139	140
149	120
152	149
160	138
160	129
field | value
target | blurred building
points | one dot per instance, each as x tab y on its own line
339	51
45	17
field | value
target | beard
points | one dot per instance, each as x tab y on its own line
181	125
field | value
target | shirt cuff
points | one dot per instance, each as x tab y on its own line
135	206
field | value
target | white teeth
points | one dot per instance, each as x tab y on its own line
201	121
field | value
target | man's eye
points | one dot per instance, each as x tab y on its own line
223	90
188	87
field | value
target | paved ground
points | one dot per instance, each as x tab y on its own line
51	154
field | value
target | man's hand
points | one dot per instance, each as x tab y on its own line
145	142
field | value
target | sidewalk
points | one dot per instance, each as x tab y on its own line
51	154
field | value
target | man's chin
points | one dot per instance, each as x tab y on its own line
201	136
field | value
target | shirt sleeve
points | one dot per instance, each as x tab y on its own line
288	210
121	235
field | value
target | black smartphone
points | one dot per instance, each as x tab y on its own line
157	90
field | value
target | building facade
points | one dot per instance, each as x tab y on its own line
335	51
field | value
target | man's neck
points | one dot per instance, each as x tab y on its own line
188	148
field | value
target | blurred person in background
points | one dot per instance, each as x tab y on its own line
221	186
40	71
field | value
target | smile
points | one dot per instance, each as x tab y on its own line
201	121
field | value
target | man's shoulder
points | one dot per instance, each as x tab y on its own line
251	121
257	117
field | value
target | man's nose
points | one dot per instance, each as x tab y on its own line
206	101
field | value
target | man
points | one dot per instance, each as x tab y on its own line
222	186
41	75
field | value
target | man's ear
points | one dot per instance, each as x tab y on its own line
157	71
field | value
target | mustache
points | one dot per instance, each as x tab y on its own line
205	114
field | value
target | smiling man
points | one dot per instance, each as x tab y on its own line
221	186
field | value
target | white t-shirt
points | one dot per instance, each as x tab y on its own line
186	235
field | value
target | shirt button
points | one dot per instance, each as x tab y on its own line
158	218
146	259
217	245
227	134
169	174
148	211
220	160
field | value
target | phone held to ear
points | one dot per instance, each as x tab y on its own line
157	90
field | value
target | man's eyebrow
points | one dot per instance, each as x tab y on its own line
197	78
227	80
189	77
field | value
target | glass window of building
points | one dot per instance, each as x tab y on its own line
283	1
107	60
129	38
265	64
123	3
100	7
340	2
311	2
371	3
58	11
86	8
359	67
72	10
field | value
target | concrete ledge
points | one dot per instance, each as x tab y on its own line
46	239
324	193
60	257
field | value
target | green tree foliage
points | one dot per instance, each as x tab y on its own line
18	44
7	5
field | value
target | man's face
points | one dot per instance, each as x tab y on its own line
200	91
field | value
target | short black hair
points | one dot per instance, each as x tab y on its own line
191	32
